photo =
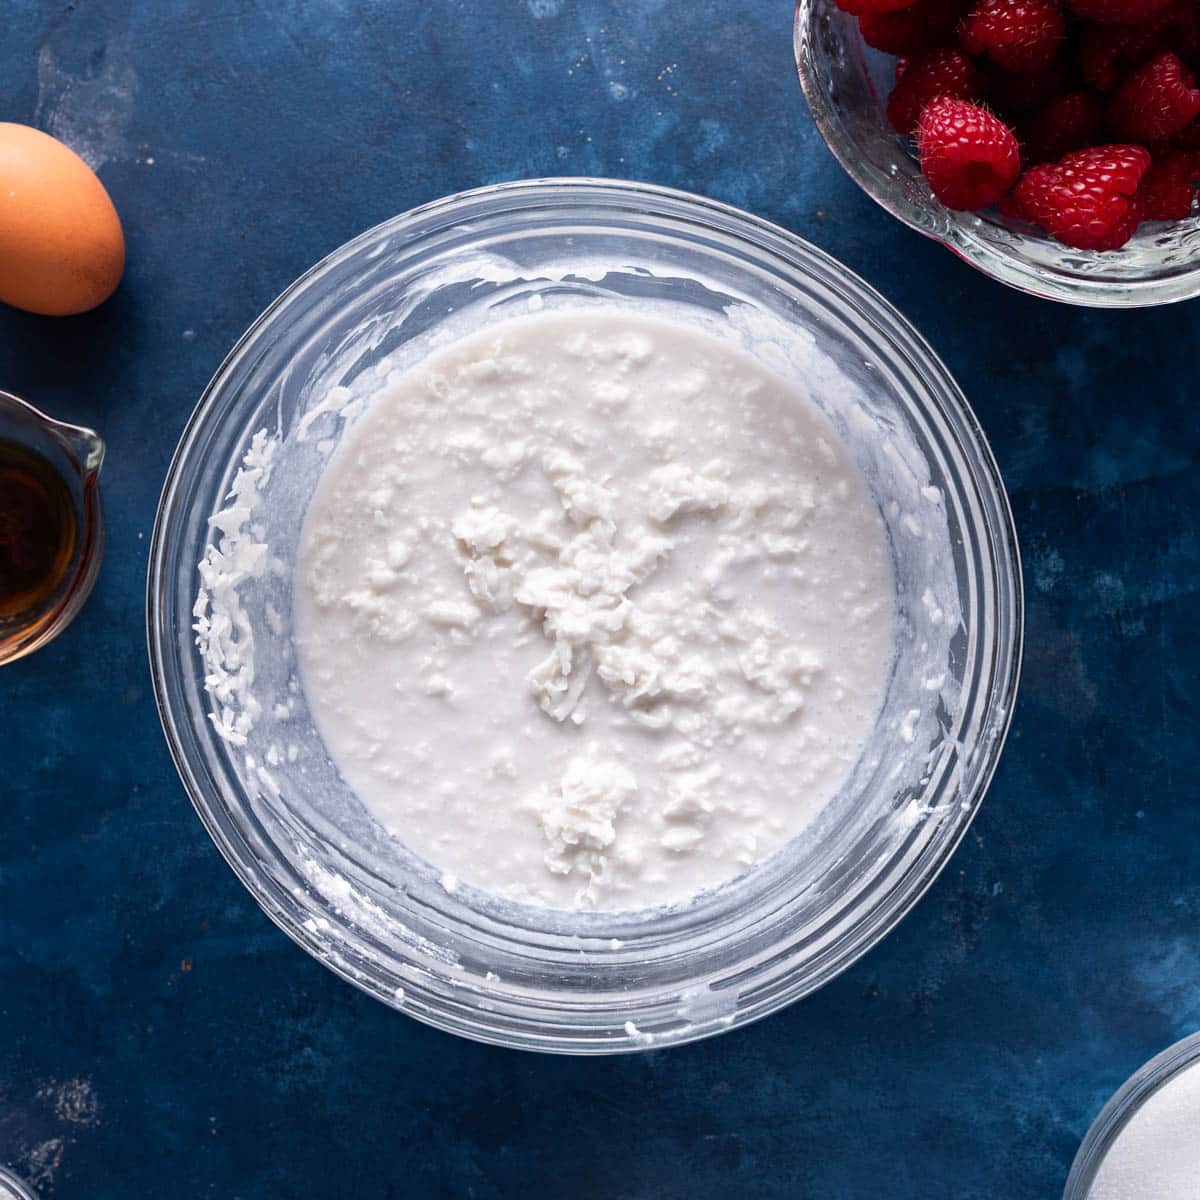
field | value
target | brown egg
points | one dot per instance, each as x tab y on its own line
61	246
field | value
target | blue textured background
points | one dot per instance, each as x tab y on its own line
158	1036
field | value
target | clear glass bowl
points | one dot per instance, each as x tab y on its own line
12	1188
526	977
1125	1104
847	85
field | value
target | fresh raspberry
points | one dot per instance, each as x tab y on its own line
1018	35
1117	12
1189	138
1008	205
1016	95
1069	122
969	156
1088	199
943	72
862	8
925	23
1108	53
1169	187
1182	20
1156	101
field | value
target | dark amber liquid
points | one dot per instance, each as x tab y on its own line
38	534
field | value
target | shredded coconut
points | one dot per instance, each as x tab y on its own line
223	630
592	611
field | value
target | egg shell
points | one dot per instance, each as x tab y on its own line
61	246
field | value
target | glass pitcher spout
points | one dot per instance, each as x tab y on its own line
84	445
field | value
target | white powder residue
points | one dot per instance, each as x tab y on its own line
43	1162
591	610
91	113
360	910
1157	1155
74	1101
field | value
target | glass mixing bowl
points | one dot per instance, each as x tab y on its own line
309	852
847	85
1124	1105
12	1188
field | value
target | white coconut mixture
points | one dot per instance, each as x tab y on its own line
593	611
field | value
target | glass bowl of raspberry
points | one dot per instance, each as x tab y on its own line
849	84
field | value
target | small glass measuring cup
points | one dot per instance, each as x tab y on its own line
51	524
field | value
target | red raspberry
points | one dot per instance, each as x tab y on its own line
1069	122
1189	138
1156	101
943	72
1015	95
1169	187
1018	35
1117	12
970	157
1183	20
1008	205
1180	22
1088	199
1107	53
926	23
860	8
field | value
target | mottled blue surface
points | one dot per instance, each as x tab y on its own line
159	1037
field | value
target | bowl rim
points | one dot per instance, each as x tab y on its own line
1124	1104
895	902
14	1184
1122	1107
1064	286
